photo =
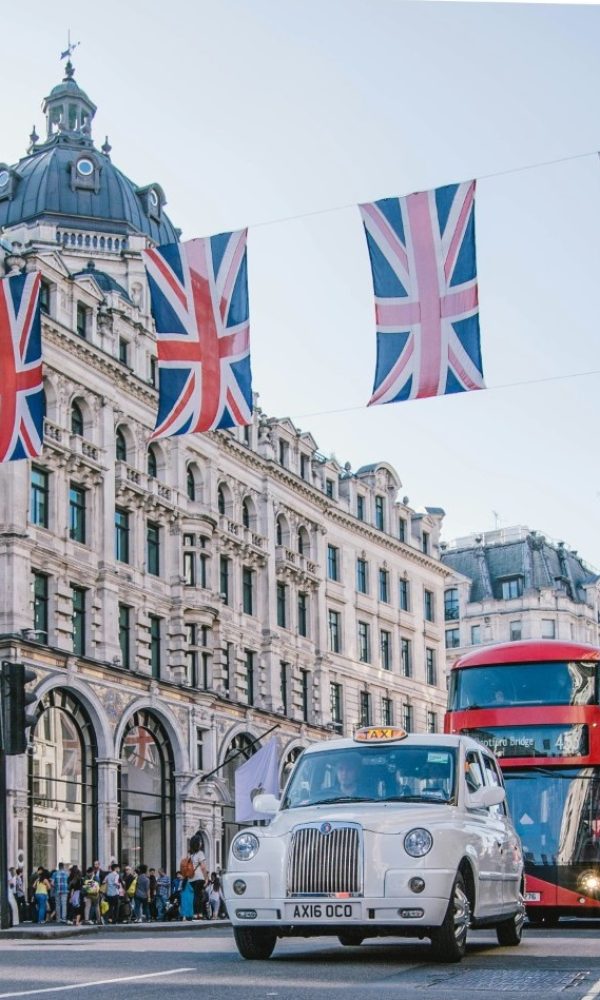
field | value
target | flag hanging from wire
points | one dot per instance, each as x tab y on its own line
21	387
422	250
199	293
258	775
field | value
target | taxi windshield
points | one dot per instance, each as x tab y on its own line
392	773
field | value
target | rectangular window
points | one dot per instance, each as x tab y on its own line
379	513
304	694
402	529
387	712
360	507
123	351
304	466
121	535
77	513
337	718
475	635
407	717
428	605
364	644
250	676
283	453
40	606
39	497
191	654
189	567
45	298
153	548
224	579
432	723
155	646
281	605
227	664
430	666
335	632
384	586
512	587
283	686
125	634
329	488
548	628
425	542
153	372
385	640
515	631
333	562
365	708
451	604
452	638
248	590
302	614
199	749
82	320
78	619
404	590
406	657
362	578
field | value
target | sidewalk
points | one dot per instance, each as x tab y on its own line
52	930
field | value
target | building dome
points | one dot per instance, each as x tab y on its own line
65	180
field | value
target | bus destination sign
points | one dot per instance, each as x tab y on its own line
534	741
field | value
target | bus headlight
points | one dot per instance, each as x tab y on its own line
590	882
245	846
418	842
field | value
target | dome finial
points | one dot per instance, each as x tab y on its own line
71	46
106	146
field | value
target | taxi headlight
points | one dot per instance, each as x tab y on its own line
418	842
245	846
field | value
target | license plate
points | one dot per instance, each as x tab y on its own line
532	897
322	911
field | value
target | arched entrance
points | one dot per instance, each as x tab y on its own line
289	763
146	794
63	787
241	748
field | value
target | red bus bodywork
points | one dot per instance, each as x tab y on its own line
553	887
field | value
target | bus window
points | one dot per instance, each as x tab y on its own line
558	683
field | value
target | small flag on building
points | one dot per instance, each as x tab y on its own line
422	250
21	386
199	293
259	774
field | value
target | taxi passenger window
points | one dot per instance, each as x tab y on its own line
492	776
473	771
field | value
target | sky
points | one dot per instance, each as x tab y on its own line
283	116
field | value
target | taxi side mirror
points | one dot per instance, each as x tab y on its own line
266	803
483	798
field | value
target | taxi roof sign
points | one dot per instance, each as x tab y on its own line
379	734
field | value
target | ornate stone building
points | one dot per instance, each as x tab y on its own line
514	583
179	600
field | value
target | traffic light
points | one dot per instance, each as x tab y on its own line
16	717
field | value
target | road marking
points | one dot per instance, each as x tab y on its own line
98	982
594	992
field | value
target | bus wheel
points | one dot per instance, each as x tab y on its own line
350	940
550	919
449	942
254	942
534	915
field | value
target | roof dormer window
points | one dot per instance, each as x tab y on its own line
85	167
85	173
4	178
153	199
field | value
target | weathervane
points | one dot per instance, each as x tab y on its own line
71	46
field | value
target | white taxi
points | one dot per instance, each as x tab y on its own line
385	834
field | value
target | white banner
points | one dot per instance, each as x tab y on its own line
259	774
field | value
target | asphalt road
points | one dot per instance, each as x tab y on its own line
549	964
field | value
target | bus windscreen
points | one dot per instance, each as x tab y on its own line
516	684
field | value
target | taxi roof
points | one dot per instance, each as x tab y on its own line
411	739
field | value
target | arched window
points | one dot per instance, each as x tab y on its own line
190	484
120	445
76	420
288	764
221	500
241	748
279	531
146	794
152	464
62	783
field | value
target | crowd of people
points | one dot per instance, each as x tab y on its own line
117	894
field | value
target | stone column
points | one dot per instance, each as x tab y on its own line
108	809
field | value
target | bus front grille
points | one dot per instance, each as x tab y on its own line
325	860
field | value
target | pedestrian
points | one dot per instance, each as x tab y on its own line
91	899
142	891
41	891
60	882
214	895
20	895
186	900
113	885
163	894
200	875
152	893
75	899
12	899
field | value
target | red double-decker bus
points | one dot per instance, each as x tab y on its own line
536	705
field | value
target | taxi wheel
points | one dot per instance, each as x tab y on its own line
510	932
449	941
350	940
254	942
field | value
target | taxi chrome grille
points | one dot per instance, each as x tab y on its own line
324	863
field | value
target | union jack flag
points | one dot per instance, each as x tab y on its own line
422	251
140	749
199	293
21	388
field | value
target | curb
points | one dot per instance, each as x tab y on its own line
50	933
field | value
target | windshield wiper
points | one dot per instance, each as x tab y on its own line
343	798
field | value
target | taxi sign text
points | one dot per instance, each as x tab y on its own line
379	734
